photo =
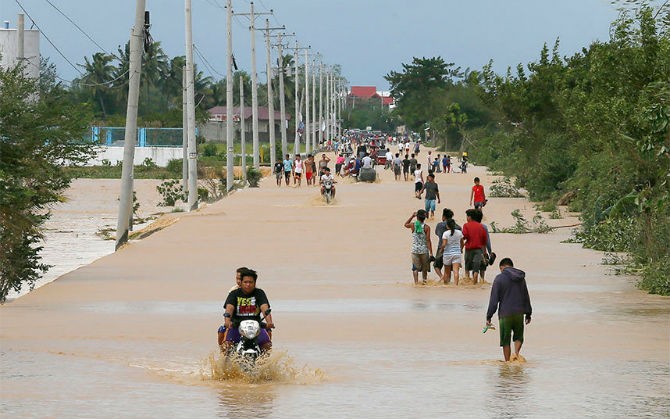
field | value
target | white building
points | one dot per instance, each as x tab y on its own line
9	49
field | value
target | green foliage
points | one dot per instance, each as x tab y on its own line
504	188
523	226
253	177
209	150
114	172
148	163
594	126
36	131
174	166
171	191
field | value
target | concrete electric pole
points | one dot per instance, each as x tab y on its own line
190	114
134	72
229	96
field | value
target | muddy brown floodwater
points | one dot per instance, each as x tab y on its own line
134	333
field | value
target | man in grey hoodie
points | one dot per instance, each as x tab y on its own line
509	296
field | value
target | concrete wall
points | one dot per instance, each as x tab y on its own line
9	49
159	155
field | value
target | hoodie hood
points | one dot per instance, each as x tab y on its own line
514	274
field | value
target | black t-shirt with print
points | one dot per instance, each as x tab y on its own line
247	306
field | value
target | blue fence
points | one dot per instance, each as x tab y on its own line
146	137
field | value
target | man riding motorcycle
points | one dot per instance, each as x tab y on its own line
327	179
247	303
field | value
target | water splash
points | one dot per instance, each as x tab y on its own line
277	367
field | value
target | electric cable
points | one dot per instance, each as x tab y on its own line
76	26
47	38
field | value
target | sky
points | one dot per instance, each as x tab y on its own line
367	38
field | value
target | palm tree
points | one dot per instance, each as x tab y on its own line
98	77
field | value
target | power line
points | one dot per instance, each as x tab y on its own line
47	38
76	26
207	64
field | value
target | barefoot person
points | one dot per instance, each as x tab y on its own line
452	243
422	248
509	296
475	244
477	195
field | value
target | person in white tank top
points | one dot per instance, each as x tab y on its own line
297	170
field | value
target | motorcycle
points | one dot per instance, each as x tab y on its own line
247	350
328	192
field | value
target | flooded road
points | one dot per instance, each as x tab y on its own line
134	333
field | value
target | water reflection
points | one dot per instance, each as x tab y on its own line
246	401
508	398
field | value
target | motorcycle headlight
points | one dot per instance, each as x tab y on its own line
250	328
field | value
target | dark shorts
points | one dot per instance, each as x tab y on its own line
233	335
287	175
473	259
298	174
479	205
338	167
396	170
511	325
418	186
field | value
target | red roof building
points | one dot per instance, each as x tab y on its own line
367	93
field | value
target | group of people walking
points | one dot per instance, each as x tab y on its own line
293	169
452	240
469	247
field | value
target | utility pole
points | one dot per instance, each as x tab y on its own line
134	72
242	134
328	104
271	105
296	106
229	96
190	114
320	99
254	83
307	128
282	98
315	133
184	132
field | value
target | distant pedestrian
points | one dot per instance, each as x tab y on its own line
444	163
323	163
338	165
309	173
397	166
412	164
432	194
389	159
297	170
509	296
418	181
405	167
448	163
477	195
288	168
422	248
279	171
